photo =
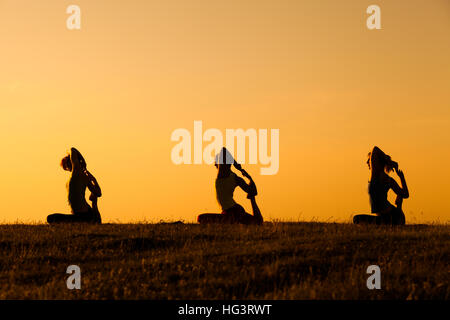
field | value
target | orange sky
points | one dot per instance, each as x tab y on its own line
137	70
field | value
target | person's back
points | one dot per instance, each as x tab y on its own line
225	187
378	194
77	193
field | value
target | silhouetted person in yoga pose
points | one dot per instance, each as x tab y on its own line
380	183
226	182
80	179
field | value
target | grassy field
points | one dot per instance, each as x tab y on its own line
274	261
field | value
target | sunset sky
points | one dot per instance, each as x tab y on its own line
138	70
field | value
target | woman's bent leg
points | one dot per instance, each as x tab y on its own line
62	218
235	214
246	218
366	219
398	217
208	218
258	218
97	216
238	214
94	211
71	218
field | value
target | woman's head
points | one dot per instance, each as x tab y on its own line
378	160
66	163
225	159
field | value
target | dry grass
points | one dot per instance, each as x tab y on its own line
275	261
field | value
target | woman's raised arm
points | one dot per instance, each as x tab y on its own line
250	188
403	190
93	185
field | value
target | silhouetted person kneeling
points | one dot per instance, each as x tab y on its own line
226	182
80	179
380	183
